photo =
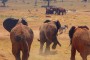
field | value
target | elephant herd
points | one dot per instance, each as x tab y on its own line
22	37
55	10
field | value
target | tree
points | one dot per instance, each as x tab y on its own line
4	2
48	3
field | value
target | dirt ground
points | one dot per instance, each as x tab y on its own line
78	14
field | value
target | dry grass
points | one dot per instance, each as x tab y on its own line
35	18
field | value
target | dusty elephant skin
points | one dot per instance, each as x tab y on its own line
21	38
48	34
80	41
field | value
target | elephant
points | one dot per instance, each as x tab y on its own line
55	10
61	11
80	41
49	10
21	37
48	34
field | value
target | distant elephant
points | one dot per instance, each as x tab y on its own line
58	10
61	11
55	9
48	34
21	37
80	41
49	10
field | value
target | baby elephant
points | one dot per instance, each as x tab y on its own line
21	37
48	34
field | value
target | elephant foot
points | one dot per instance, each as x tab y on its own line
47	52
54	46
40	53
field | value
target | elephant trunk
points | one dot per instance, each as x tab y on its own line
55	44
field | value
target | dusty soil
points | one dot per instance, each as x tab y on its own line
78	14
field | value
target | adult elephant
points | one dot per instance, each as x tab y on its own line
61	11
48	34
58	10
80	41
49	10
21	37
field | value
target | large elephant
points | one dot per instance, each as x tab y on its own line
48	34
21	37
80	41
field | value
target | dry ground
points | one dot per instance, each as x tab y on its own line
35	17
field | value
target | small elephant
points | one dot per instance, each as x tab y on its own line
21	37
80	41
48	34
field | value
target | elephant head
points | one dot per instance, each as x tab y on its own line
9	23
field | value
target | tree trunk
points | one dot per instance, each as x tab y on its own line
48	3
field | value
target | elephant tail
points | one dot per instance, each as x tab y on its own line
71	33
58	43
18	38
21	39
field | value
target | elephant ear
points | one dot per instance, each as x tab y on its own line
71	33
24	22
9	23
46	21
57	23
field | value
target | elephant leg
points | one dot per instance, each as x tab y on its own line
41	47
16	52
25	54
84	56
55	43
54	46
58	12
73	53
47	50
62	13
